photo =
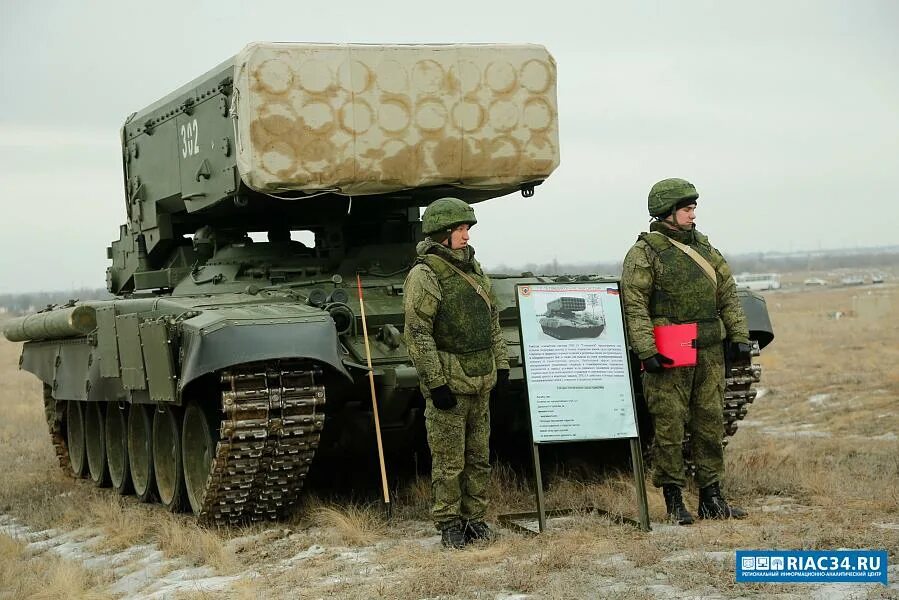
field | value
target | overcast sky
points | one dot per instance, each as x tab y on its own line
784	114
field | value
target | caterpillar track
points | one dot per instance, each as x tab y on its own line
267	439
55	413
738	391
264	435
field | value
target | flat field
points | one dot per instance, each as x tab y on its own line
816	463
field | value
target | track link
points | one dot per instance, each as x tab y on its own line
271	425
738	391
55	412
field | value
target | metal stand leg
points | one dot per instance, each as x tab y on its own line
538	479
640	482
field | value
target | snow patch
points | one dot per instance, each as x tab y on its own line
40	535
687	555
133	580
8	526
195	579
118	559
67	544
776	508
718	555
356	556
428	542
616	560
663	590
671	528
818	399
890	526
773	504
239	544
207	584
140	571
310	552
841	591
793	433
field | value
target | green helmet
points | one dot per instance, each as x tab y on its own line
446	213
666	194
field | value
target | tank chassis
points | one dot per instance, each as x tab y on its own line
231	358
564	319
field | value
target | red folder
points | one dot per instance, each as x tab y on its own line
677	342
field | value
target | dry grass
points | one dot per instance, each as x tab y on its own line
183	538
816	464
825	434
353	526
45	577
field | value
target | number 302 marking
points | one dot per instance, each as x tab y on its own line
189	139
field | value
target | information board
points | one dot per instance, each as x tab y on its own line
576	361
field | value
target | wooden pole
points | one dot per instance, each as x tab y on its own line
374	397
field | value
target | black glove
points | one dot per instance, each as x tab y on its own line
501	390
656	363
740	351
442	397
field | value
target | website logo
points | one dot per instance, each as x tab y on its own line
812	566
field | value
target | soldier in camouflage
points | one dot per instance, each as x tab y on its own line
455	341
674	275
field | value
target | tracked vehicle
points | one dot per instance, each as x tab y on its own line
565	319
231	358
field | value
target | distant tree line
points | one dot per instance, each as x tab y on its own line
739	263
612	269
17	304
812	261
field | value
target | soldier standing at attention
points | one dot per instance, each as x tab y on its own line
674	275
455	341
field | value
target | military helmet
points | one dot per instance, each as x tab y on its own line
666	194
446	213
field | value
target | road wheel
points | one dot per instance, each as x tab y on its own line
117	448
95	442
140	452
198	441
167	458
75	437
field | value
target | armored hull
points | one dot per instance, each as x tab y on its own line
242	394
564	329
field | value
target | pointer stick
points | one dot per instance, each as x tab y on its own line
374	399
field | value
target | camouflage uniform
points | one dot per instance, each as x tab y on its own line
661	285
456	340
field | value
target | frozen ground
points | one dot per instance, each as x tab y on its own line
144	572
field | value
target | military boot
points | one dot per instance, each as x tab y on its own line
476	531
712	505
674	503
452	536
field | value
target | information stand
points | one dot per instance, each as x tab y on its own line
577	371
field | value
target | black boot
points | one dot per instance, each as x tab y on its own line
674	503
452	536
476	531
712	505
